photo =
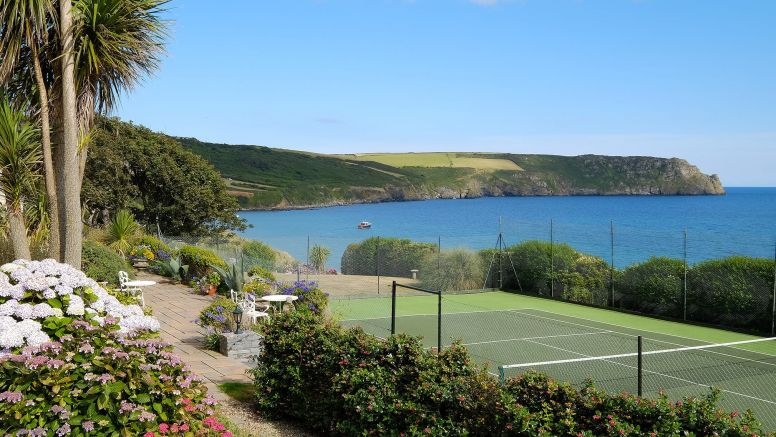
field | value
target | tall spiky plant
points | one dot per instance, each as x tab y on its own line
121	231
20	159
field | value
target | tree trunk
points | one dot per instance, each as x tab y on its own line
18	233
52	203
72	195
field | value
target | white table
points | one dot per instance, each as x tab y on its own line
279	299
139	283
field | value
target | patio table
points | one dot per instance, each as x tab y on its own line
279	299
139	283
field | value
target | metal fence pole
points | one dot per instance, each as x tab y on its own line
377	263
773	304
439	322
639	369
611	269
393	308
552	260
307	262
684	280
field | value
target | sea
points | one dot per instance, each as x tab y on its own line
621	229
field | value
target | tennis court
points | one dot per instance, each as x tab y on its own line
575	343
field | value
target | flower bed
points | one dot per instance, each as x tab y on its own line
75	361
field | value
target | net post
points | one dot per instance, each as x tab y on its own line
773	304
684	280
393	308
639	368
501	377
439	322
611	269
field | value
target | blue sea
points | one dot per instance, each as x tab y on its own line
627	229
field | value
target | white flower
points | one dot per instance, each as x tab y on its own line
37	338
10	267
10	338
8	308
76	306
23	311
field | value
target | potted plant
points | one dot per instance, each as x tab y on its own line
213	280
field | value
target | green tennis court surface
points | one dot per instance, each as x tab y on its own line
505	329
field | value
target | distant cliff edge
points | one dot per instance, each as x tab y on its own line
267	178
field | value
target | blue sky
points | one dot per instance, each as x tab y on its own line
691	79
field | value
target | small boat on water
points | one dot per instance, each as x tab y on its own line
364	225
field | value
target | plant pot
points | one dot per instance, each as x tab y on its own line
212	289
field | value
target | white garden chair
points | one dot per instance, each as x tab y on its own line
235	296
131	291
252	310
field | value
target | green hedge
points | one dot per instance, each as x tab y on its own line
344	382
396	257
655	286
199	260
256	253
154	243
101	263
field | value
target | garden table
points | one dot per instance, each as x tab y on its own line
279	299
139	283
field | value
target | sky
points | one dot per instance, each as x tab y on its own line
688	79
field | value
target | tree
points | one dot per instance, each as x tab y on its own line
158	180
121	231
19	161
26	24
318	257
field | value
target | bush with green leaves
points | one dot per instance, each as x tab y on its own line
531	260
200	260
218	315
155	244
654	286
310	298
257	253
342	381
172	267
121	231
101	263
454	270
259	272
734	291
388	256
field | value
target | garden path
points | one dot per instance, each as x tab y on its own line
176	308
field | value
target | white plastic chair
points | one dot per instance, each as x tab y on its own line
132	291
252	310
235	296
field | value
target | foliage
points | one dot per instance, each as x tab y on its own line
232	276
310	297
345	382
156	245
218	315
95	380
733	291
457	269
388	256
212	341
200	260
532	262
121	230
261	273
318	257
653	287
101	263
130	167
172	268
213	278
256	253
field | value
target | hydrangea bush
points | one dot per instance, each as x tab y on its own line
38	297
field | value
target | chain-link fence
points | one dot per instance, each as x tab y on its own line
725	280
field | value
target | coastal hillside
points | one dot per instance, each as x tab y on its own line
268	178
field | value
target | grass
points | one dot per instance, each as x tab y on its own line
479	161
240	391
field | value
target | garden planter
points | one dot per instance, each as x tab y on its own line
211	291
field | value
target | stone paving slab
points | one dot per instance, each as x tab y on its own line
177	307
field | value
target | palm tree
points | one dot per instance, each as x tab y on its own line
19	158
318	257
26	25
121	230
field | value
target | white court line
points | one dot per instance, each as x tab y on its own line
656	340
656	373
533	338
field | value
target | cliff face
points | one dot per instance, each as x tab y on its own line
266	178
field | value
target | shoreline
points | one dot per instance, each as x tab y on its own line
372	202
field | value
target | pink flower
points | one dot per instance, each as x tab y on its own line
149	434
184	427
226	434
163	428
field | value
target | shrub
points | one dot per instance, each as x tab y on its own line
587	282
734	291
121	230
155	244
259	272
532	262
200	260
344	382
654	287
257	253
318	257
457	269
218	315
311	298
393	256
93	380
101	263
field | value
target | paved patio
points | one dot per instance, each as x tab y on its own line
177	307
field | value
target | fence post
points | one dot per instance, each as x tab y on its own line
773	304
377	264
307	262
439	322
393	308
611	269
639	369
684	280
552	260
